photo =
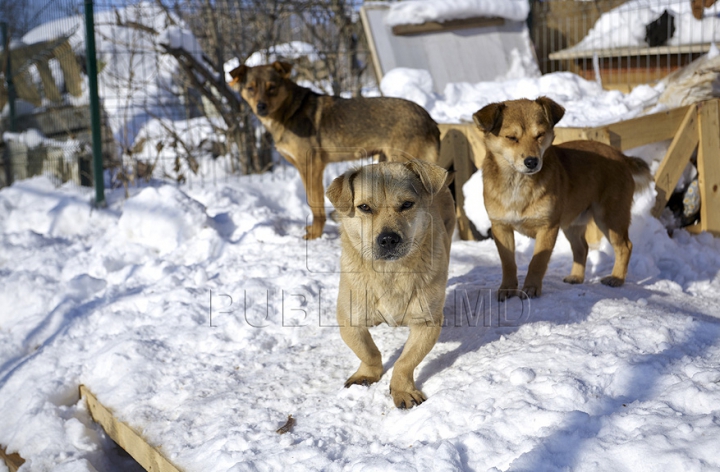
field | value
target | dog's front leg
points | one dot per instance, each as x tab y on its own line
505	243
544	245
402	384
359	340
311	173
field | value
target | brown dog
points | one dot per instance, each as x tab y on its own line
537	189
311	130
396	225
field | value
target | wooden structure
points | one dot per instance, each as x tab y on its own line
149	457
624	68
467	50
691	128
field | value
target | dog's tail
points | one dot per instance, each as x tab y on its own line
640	172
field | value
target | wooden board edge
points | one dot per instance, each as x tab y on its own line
675	160
133	443
377	67
12	461
708	164
450	25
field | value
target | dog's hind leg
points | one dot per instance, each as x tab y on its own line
616	230
359	340
402	384
576	235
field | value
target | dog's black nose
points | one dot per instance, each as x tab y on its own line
531	162
262	108
388	240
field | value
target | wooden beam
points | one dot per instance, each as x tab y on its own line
48	81
644	130
12	461
676	159
146	455
450	25
570	53
708	164
377	67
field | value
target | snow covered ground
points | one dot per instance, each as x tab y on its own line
201	317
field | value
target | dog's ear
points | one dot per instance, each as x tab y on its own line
432	176
341	192
283	68
489	117
238	75
553	111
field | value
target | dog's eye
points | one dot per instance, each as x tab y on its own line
512	138
406	205
250	89
365	208
540	136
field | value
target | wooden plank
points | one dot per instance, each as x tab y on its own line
48	81
146	455
69	65
675	160
648	129
570	53
450	25
371	44
12	461
708	163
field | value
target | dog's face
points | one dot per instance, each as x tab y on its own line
520	131
262	87
385	207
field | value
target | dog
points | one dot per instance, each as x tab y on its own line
310	129
396	224
535	188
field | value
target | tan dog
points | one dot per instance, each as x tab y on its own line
397	221
311	130
537	189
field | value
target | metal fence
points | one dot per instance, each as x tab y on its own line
620	43
166	111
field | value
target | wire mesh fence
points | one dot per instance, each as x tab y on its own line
167	112
621	43
163	66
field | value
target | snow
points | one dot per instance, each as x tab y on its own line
624	26
421	11
585	102
201	318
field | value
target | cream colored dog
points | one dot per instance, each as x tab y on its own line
397	221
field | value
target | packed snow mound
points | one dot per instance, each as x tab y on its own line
162	218
624	26
43	210
413	12
586	103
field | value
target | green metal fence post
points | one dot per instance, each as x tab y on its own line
98	178
10	85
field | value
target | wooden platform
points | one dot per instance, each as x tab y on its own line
149	457
694	127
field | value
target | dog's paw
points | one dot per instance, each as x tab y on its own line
573	279
507	292
364	380
312	233
407	399
612	281
531	291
